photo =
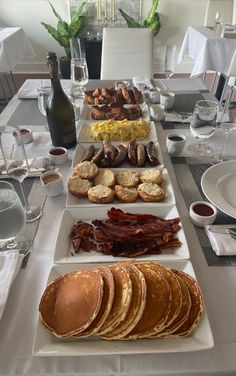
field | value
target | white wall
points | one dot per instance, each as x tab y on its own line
176	15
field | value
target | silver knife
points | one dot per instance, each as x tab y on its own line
223	230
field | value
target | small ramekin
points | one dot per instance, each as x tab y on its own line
202	220
26	136
58	155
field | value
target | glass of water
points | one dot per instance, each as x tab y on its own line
169	66
43	94
203	125
79	76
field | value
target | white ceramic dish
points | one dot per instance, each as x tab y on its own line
70	216
84	132
46	344
86	112
219	185
73	201
80	148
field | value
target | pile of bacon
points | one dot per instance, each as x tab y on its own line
126	234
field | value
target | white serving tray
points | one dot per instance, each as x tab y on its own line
45	344
63	248
73	201
80	148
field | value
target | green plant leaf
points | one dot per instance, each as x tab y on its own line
55	12
152	12
63	28
77	26
61	39
129	20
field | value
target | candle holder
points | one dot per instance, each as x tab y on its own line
106	12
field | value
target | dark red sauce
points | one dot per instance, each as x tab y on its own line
203	210
57	152
24	131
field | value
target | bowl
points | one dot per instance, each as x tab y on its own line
202	213
25	134
157	112
58	155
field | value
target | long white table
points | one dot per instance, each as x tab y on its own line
20	317
208	51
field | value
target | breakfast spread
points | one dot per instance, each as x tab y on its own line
110	96
122	301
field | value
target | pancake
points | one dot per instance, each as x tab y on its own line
137	305
196	307
106	304
176	293
157	307
122	299
70	303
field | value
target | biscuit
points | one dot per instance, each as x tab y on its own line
100	194
150	192
127	179
151	175
105	177
78	187
125	194
86	170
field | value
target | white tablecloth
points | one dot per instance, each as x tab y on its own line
208	51
14	47
19	321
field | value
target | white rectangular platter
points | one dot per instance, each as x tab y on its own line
86	112
45	344
63	247
84	132
80	148
169	199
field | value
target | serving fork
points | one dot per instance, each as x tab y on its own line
230	230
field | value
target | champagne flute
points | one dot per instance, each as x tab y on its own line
79	76
12	215
18	170
169	60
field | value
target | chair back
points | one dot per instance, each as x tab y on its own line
126	53
232	67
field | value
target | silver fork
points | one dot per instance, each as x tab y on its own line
223	230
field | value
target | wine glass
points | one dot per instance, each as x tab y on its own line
12	215
203	125
79	76
228	124
19	169
169	60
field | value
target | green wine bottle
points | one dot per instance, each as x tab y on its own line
59	109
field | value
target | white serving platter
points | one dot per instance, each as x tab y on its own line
84	132
169	199
63	248
80	148
45	344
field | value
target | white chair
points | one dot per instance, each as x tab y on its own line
231	72
126	53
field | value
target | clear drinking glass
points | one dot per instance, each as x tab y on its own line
79	76
12	215
228	124
43	94
169	67
203	125
19	169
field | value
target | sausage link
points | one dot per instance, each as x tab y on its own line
109	150
88	153
121	149
141	157
132	153
98	156
152	153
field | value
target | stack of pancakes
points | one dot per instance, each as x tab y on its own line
128	300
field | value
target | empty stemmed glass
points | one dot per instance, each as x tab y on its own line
18	169
228	124
169	60
79	76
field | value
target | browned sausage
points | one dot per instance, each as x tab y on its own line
98	156
121	149
105	162
109	150
132	153
141	157
88	153
152	153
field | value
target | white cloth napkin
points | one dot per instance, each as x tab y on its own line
174	117
29	89
10	263
142	82
222	244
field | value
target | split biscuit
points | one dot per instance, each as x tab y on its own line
100	194
78	187
125	194
151	175
86	170
105	177
127	179
150	192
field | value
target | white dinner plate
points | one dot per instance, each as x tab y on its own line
63	248
219	186
80	148
45	344
84	132
169	199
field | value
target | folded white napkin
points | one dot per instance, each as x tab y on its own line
180	84
142	82
29	89
174	117
10	263
222	244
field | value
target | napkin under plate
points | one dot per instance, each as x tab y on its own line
222	244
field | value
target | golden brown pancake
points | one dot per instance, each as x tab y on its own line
196	307
70	303
137	305
157	303
106	304
122	299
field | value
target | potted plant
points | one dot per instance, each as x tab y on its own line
152	21
64	32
